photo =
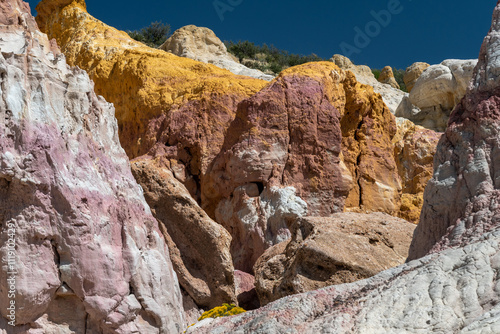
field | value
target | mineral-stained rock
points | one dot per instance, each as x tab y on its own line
245	290
258	220
89	255
387	77
436	92
163	102
202	44
315	129
340	249
412	74
455	288
199	247
392	96
414	149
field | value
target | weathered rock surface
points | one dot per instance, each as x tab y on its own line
203	45
314	129
258	220
454	289
164	104
387	77
245	290
436	92
414	149
88	253
340	249
412	74
199	247
392	96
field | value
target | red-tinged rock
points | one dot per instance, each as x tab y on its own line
245	290
315	134
454	289
87	253
199	247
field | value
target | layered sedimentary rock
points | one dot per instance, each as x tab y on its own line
89	255
202	44
314	129
387	77
414	149
340	249
199	247
454	289
164	103
412	74
436	92
392	96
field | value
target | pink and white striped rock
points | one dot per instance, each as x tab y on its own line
455	288
89	254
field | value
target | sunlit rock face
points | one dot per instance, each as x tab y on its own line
453	288
166	105
200	43
88	253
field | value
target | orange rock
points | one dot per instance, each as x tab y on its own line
159	97
414	149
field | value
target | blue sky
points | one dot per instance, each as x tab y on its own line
396	32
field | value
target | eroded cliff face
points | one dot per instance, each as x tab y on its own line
168	105
462	199
88	253
453	289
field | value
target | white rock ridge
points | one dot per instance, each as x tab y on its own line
203	45
436	92
89	255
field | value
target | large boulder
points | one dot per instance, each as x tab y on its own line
81	250
315	129
391	96
164	103
387	77
199	247
202	44
452	289
412	74
436	92
340	249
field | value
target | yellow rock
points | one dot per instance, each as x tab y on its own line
145	84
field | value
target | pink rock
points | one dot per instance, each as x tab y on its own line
245	290
452	289
88	253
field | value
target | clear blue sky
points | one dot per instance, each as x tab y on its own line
417	30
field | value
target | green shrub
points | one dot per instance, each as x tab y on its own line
154	35
267	58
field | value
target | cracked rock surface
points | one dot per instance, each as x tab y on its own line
89	255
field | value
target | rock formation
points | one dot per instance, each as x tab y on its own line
412	74
88	254
164	103
203	45
245	290
340	249
414	149
453	289
387	77
313	130
436	92
199	247
392	96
